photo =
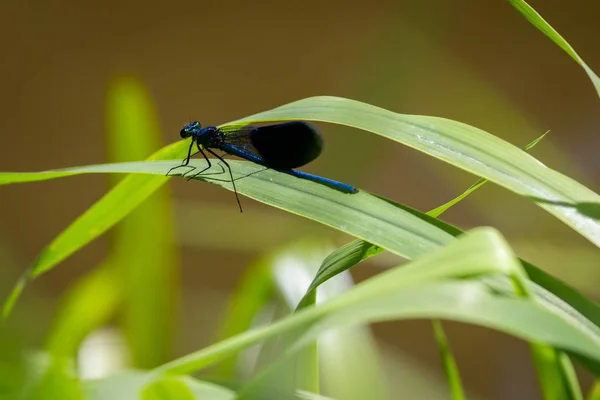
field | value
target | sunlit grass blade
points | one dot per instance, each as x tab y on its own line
551	367
436	212
536	20
425	288
568	303
338	261
569	375
463	146
448	361
359	214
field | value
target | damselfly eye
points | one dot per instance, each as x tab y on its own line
189	130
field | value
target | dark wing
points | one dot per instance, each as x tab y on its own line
287	145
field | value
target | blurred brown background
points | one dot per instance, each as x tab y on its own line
475	61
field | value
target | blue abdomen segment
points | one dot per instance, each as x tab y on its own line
342	187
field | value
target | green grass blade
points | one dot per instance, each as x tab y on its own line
536	20
448	361
338	261
463	146
570	376
436	212
554	382
425	288
359	214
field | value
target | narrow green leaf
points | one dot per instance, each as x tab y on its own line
338	261
436	212
569	375
463	146
425	288
535	141
360	214
536	20
448	361
553	383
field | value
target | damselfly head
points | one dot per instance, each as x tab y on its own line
190	130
